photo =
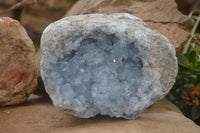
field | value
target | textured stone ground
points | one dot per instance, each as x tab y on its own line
38	115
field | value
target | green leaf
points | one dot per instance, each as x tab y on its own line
195	113
198	85
193	59
183	61
197	50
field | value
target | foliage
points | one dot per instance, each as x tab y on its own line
192	15
186	91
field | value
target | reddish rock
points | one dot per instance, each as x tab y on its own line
17	72
161	15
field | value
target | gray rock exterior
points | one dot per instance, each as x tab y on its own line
106	64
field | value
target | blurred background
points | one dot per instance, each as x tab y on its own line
35	17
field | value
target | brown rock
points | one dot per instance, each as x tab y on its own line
4	7
45	3
56	4
17	72
8	2
186	6
161	15
38	115
42	13
38	15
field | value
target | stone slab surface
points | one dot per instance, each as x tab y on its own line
37	115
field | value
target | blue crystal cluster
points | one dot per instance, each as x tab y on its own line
97	70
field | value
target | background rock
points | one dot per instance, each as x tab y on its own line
17	72
38	15
8	2
161	15
185	6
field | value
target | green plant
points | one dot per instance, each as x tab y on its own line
186	91
197	18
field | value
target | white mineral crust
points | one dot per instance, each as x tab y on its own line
106	64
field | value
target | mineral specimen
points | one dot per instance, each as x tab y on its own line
17	73
106	64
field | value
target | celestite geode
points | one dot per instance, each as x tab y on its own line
106	64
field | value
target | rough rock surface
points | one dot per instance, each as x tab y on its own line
106	64
160	15
37	115
17	73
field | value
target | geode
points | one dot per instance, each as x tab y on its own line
106	64
18	77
